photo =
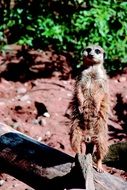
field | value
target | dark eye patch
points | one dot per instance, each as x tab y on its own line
97	51
88	50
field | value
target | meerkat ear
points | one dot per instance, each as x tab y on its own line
104	55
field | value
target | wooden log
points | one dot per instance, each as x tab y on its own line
85	164
43	167
34	163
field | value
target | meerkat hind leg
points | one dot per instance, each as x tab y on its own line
76	140
99	166
102	139
101	150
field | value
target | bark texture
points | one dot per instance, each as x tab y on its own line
43	167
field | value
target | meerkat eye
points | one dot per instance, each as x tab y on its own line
97	51
88	50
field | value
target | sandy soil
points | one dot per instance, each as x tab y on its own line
24	98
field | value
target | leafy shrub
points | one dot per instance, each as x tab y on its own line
68	26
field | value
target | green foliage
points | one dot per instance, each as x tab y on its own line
69	26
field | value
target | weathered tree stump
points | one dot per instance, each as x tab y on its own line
85	164
43	167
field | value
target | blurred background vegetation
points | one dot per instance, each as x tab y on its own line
67	26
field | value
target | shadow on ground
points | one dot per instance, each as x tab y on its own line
121	112
25	65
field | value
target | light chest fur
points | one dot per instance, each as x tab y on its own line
93	80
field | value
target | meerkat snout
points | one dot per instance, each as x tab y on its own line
93	54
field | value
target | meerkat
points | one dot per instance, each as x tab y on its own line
90	105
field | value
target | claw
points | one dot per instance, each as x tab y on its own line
100	170
99	167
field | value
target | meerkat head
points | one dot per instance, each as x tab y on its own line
93	54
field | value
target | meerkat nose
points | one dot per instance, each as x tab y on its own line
90	55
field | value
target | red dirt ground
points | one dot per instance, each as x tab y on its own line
18	95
